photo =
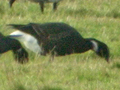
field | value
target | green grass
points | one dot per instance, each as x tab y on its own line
92	18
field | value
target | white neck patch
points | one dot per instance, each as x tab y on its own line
95	45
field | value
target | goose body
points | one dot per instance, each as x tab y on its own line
61	39
7	43
41	3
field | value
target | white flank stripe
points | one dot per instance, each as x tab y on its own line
29	41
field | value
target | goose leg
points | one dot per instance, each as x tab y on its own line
55	6
11	2
41	6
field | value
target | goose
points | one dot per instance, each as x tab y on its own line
7	43
60	39
41	3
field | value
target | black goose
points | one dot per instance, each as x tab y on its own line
7	43
41	3
61	39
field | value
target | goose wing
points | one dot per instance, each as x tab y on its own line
48	32
25	28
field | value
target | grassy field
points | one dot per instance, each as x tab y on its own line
99	19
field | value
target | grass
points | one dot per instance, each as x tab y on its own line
98	19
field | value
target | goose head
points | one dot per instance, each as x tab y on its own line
100	48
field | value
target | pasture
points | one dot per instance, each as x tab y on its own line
98	19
